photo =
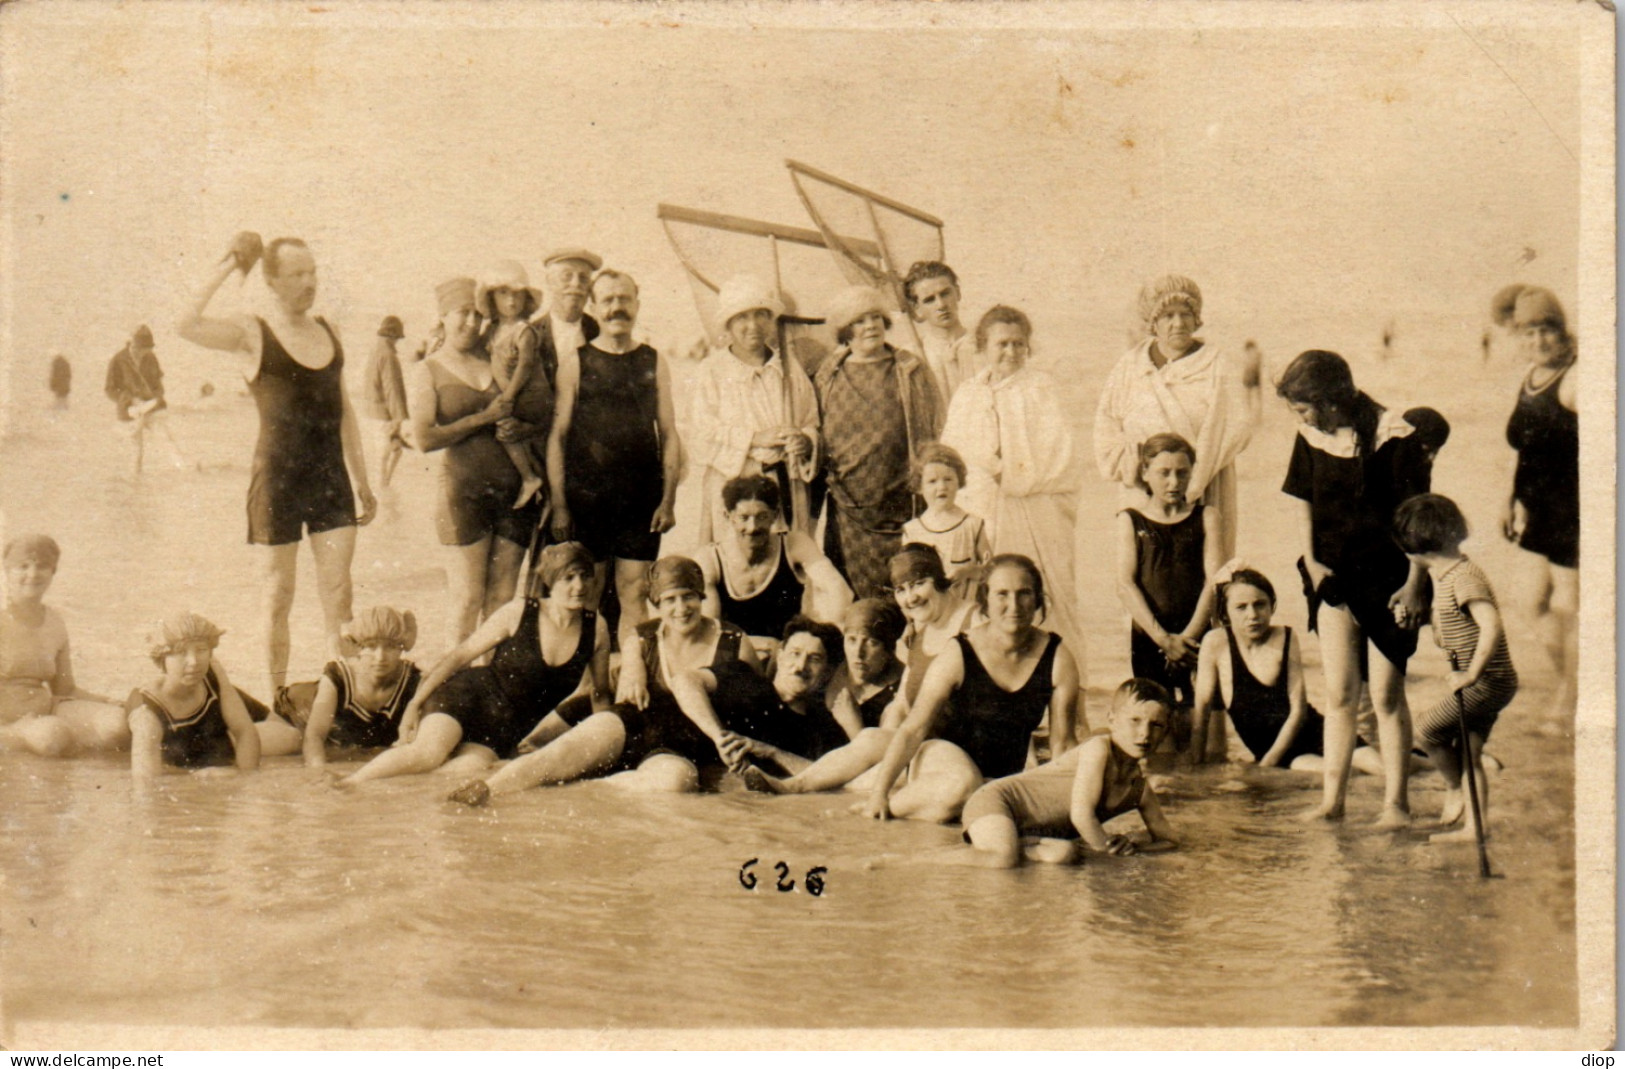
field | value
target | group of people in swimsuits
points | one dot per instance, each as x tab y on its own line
939	694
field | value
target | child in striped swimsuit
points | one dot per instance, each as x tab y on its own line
1467	624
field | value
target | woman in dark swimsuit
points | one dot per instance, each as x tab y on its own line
309	470
646	736
1543	513
980	703
191	717
547	649
456	405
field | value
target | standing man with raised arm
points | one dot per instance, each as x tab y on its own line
613	453
309	468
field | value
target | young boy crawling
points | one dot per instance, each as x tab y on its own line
1041	813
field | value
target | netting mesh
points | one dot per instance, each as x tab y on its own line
874	243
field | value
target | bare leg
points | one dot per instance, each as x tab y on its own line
632	587
1559	633
1394	733
281	571
1052	851
1339	649
334	551
1469	830
438	735
502	574
530	483
660	774
469	587
45	736
589	747
941	779
96	726
832	771
470	759
995	844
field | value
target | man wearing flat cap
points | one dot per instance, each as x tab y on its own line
562	326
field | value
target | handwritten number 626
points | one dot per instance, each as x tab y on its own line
814	880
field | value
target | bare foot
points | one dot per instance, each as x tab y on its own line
473	793
1392	818
528	488
1460	835
1324	811
1053	852
1455	805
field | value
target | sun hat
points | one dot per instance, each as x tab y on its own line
391	328
504	274
855	302
453	294
744	293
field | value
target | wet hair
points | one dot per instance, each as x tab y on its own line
557	561
828	634
611	274
1323	379
1246	577
42	548
923	270
916	561
936	453
877	617
273	254
1156	445
1002	313
1429	523
1138	691
750	488
1011	560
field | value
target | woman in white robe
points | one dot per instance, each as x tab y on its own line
1174	382
1022	472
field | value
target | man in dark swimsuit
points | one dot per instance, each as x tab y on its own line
613	453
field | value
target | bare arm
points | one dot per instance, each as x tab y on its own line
830	593
845	708
1155	822
1212	561
428	435
146	743
564	410
671	450
1206	690
224	335
323	708
498	626
1063	703
1088	785
946	674
245	738
711	604
355	458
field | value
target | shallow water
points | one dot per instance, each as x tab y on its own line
276	900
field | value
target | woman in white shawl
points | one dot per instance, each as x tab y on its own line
1174	382
1008	425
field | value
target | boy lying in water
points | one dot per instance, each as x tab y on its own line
1041	813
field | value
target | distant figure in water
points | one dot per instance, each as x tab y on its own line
135	384
1043	813
1484	345
1388	340
383	392
61	380
42	710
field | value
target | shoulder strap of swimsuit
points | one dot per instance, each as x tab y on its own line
338	346
587	644
1044	670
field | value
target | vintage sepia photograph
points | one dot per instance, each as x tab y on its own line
789	525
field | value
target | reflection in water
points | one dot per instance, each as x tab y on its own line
276	900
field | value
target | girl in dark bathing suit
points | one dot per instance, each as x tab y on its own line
547	649
359	701
1252	669
980	703
1352	465
191	717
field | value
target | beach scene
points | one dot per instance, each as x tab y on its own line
1363	187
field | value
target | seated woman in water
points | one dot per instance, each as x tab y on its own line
547	649
190	717
934	614
864	688
359	701
1251	668
647	734
980	703
1040	814
42	710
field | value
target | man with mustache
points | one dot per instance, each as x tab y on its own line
612	453
562	327
782	721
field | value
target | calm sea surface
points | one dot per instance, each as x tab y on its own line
274	900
